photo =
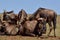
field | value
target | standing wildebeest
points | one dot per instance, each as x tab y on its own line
32	28
49	15
10	16
22	15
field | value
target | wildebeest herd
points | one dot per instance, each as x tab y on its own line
35	25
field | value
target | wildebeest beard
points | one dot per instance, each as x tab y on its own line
40	29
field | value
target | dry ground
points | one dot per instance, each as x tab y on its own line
18	37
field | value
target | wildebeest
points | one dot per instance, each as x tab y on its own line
10	16
10	29
49	15
32	28
22	15
5	17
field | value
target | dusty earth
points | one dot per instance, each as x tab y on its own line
28	38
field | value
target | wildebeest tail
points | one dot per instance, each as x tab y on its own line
54	20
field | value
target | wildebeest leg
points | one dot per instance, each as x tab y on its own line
54	25
50	26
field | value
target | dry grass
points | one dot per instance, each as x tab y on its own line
18	37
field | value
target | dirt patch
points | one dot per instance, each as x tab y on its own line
28	38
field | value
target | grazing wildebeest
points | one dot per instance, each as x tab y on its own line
48	14
32	28
10	16
22	16
10	29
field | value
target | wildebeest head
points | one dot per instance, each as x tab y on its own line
41	26
6	15
10	13
22	16
10	16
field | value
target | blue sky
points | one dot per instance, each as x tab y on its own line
30	6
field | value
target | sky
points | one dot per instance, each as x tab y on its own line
30	6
